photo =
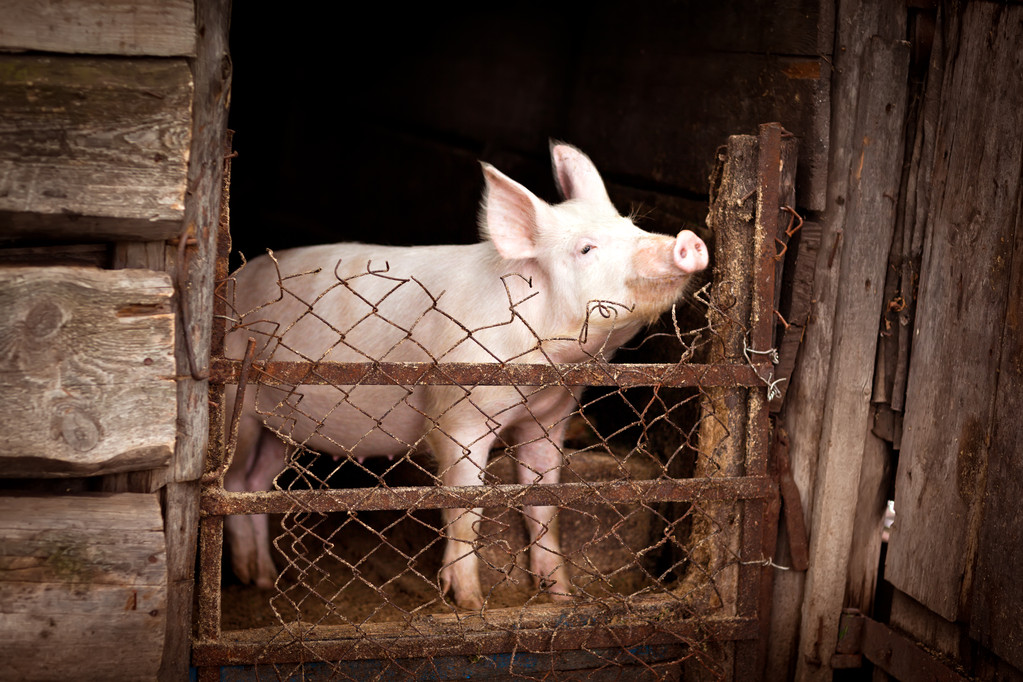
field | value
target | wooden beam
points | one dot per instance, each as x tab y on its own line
871	174
87	368
93	148
157	28
83	587
193	270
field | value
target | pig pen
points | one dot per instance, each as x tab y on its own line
665	504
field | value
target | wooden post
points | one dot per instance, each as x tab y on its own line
753	174
871	185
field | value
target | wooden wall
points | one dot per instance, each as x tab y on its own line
371	130
112	119
956	545
908	381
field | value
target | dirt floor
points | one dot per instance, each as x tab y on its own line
376	567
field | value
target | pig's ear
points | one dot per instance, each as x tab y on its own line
510	215
575	174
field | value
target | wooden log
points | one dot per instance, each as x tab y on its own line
952	407
722	435
158	28
94	148
87	367
83	587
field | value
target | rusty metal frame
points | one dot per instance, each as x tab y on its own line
591	627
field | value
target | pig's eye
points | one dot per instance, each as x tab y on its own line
586	249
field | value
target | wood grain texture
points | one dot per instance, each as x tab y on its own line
213	75
93	147
873	179
158	28
964	293
997	600
87	367
83	587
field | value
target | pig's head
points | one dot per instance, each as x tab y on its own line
594	268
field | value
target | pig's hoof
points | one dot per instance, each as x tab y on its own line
468	599
266	582
470	602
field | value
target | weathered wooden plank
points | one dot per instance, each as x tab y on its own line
82	587
93	147
196	282
964	290
804	410
873	176
158	28
997	600
87	367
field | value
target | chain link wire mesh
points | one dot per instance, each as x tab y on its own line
648	508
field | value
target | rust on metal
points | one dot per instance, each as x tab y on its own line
498	633
211	541
625	375
217	475
759	527
219	501
733	491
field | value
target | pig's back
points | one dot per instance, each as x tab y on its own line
356	302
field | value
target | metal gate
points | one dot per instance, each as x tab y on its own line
667	511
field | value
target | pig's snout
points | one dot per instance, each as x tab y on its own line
690	252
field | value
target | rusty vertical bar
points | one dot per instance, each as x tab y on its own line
211	540
759	516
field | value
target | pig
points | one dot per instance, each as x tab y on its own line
557	283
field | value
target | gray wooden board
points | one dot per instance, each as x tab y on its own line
83	587
87	368
997	601
203	210
93	147
159	28
954	371
873	174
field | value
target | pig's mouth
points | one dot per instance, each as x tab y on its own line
654	295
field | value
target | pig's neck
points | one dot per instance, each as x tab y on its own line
569	333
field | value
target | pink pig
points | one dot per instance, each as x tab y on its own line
547	283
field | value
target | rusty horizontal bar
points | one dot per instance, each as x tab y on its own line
216	501
228	371
563	629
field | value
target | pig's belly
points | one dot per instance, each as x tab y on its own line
359	421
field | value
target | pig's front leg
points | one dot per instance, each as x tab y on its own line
460	570
539	461
249	535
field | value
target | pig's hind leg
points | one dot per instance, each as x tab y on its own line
249	535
